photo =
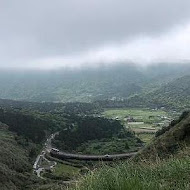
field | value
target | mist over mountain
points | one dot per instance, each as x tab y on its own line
86	85
98	32
173	94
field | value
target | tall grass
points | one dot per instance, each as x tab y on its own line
173	174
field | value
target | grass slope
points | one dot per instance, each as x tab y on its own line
168	175
170	142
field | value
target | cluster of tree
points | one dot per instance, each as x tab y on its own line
15	160
52	108
84	129
25	105
82	108
134	101
113	145
28	126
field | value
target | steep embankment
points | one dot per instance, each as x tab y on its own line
170	140
15	165
21	138
32	126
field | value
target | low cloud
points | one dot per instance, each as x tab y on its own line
50	34
172	46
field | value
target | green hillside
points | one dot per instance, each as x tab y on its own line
15	160
169	140
173	94
96	135
87	85
70	86
31	126
164	164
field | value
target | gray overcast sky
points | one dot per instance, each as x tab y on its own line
49	34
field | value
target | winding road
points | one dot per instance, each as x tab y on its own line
38	167
67	156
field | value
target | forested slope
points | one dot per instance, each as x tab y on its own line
87	85
173	94
69	86
15	160
27	125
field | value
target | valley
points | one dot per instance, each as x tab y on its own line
95	95
122	84
59	142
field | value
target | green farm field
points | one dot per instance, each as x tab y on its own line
145	122
138	114
65	170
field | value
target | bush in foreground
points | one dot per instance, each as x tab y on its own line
166	175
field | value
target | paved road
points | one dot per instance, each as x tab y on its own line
41	157
65	156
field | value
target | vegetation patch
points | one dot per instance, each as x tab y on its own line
163	164
15	161
65	170
170	175
96	135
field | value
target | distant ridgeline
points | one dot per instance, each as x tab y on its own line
87	85
72	85
173	95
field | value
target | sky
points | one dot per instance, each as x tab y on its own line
46	34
